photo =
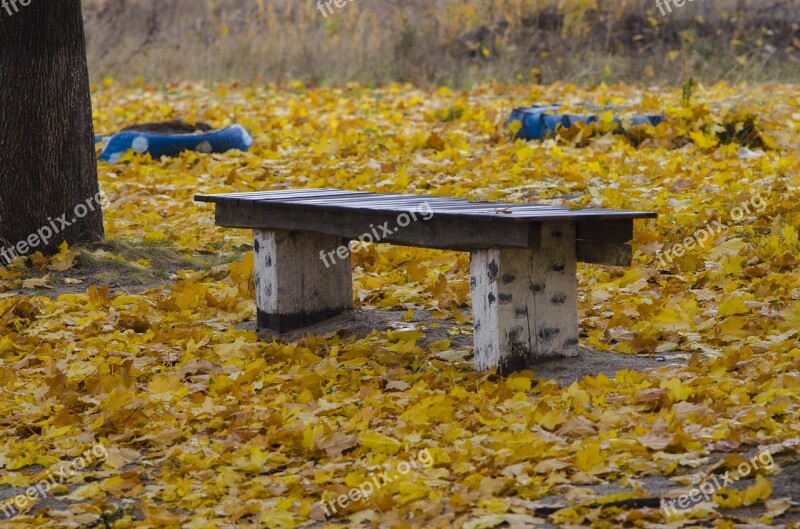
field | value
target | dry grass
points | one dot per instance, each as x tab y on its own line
452	42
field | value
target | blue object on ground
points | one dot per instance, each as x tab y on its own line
538	122
158	145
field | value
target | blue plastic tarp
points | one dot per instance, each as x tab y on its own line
158	145
539	122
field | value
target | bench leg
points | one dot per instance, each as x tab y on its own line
525	302
294	288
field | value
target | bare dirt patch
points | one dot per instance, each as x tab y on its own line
122	266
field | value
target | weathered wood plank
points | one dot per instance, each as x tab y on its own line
352	197
263	195
294	288
499	215
604	253
279	193
368	201
525	302
446	234
343	201
618	231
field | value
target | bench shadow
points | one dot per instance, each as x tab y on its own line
361	323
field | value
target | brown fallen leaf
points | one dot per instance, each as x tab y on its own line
577	426
397	385
65	263
37	282
655	441
778	506
435	142
159	516
337	443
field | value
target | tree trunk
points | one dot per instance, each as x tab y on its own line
48	172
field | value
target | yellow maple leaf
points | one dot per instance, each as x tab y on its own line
166	387
589	457
379	442
731	306
703	140
678	390
758	491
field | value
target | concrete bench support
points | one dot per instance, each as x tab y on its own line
525	302
294	288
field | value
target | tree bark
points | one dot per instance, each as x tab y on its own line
48	170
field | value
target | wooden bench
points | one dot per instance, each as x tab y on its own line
523	265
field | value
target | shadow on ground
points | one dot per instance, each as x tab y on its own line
361	323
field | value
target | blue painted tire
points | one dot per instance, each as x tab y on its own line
539	122
158	145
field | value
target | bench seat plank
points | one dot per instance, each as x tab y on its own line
457	224
445	234
440	205
502	213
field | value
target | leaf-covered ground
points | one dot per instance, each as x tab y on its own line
207	426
